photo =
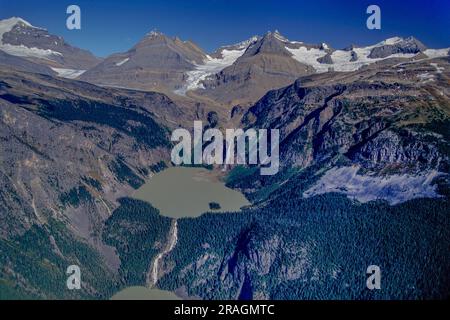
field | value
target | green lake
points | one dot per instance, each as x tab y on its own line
187	192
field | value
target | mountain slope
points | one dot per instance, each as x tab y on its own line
8	61
383	126
70	149
319	248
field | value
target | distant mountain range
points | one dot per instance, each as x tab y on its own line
234	74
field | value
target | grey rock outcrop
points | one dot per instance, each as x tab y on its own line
326	59
408	45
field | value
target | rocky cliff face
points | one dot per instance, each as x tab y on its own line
377	121
70	149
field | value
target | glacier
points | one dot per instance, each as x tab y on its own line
394	189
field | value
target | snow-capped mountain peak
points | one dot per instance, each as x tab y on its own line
324	46
15	48
7	25
20	38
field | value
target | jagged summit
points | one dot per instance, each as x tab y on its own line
153	37
270	43
277	35
243	45
154	33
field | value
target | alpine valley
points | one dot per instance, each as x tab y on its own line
363	176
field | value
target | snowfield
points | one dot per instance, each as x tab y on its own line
342	58
437	53
394	189
309	57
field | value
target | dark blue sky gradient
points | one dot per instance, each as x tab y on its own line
114	26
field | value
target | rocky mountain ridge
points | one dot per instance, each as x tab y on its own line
232	75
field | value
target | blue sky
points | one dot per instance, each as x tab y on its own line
114	26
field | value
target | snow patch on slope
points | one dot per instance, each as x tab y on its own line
425	77
22	51
68	73
122	62
279	37
438	69
395	189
